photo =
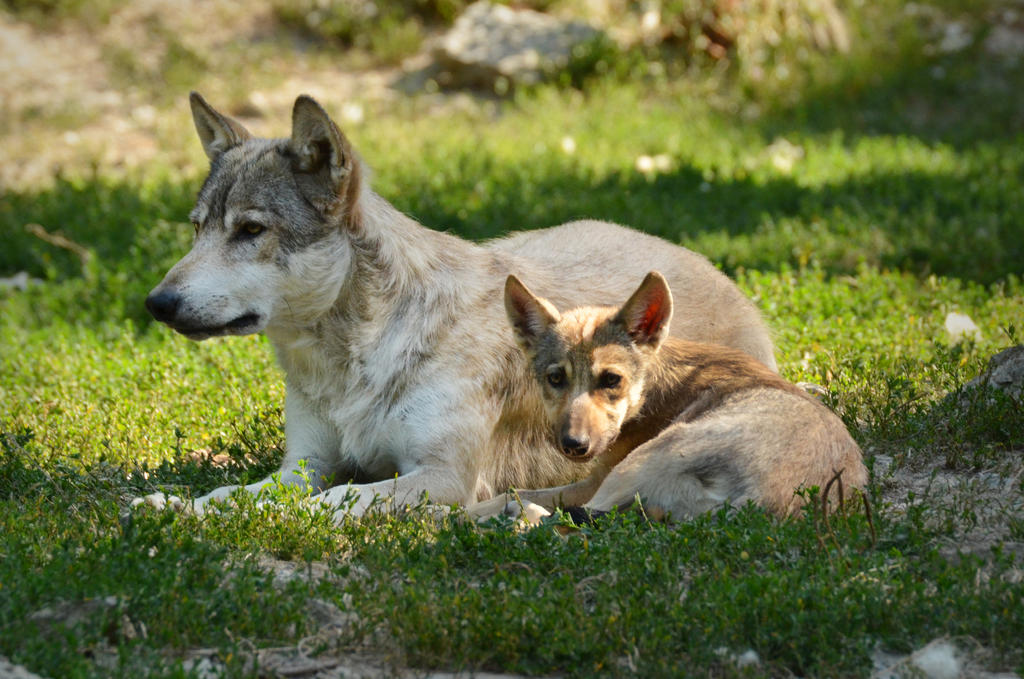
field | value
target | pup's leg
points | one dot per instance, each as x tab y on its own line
435	484
533	505
683	472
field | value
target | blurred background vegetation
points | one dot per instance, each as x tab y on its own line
814	58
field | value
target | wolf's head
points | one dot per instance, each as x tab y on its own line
590	362
273	225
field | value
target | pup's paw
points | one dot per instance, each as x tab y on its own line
488	509
508	504
527	512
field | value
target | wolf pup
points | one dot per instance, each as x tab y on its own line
681	425
402	375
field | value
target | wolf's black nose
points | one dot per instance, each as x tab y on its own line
574	447
163	305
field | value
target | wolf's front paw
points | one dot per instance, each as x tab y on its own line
345	502
163	501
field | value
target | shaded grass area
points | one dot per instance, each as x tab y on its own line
613	599
746	200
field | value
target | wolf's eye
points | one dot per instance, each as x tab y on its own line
556	376
608	380
250	229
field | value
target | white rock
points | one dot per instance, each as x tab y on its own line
18	281
960	326
1005	41
9	670
784	154
1005	371
491	42
955	37
353	112
748	658
937	660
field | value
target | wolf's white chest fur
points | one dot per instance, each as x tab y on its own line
345	399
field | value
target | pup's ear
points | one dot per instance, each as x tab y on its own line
529	315
647	313
217	132
322	152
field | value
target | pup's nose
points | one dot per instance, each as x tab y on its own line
574	447
163	305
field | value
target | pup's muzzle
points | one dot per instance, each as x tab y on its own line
574	447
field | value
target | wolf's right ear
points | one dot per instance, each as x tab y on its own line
324	156
529	315
217	132
647	314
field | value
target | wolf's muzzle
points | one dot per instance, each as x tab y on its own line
163	305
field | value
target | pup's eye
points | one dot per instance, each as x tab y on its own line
556	377
608	380
249	229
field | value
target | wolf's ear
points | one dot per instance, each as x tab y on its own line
647	313
322	151
217	132
529	315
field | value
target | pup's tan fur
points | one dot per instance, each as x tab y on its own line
402	374
681	425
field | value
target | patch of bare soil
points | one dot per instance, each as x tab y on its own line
9	670
973	506
74	96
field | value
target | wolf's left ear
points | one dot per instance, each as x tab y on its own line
321	151
529	315
648	312
217	132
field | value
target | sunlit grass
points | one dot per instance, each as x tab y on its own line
856	242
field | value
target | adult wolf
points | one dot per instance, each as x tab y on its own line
402	374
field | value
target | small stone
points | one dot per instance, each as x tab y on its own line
960	327
491	42
955	37
19	281
748	658
1005	41
1005	371
9	670
784	154
937	660
353	112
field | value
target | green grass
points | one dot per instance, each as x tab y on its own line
855	247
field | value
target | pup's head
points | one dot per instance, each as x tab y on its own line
590	362
273	224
